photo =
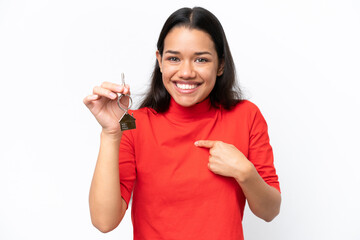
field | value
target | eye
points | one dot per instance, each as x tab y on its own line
201	60
173	59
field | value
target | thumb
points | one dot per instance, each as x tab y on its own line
205	143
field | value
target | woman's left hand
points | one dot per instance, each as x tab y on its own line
226	160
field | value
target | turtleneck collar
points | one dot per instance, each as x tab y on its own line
198	111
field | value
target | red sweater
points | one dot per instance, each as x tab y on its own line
175	195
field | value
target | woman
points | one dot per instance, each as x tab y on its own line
198	152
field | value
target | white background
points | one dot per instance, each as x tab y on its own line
299	61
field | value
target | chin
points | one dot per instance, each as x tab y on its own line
187	102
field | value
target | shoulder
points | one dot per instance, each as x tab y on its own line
246	104
247	112
143	118
245	107
143	112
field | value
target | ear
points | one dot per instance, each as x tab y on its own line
221	67
159	58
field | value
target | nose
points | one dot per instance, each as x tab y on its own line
186	70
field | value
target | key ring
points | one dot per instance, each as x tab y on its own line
121	95
118	102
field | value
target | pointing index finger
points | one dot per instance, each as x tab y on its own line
205	143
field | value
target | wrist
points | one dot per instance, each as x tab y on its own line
110	136
246	173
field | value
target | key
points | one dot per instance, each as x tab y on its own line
127	121
123	79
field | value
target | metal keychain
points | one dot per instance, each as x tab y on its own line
127	121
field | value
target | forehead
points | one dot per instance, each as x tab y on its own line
187	39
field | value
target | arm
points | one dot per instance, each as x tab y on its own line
107	207
263	199
226	160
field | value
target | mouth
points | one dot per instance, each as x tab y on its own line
186	86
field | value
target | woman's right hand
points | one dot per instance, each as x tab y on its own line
103	105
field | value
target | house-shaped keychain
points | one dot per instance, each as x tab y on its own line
127	122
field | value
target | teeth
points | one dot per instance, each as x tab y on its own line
186	86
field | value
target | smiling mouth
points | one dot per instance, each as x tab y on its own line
187	86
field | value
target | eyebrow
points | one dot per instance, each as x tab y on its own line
197	53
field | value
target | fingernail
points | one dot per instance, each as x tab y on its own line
112	95
119	88
196	143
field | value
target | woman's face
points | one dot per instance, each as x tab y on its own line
189	65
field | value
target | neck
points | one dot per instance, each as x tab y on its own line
199	110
